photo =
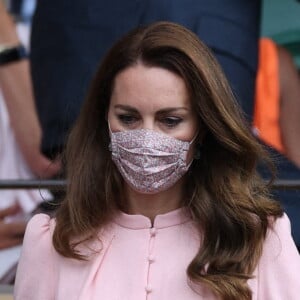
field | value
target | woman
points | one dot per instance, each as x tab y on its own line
163	200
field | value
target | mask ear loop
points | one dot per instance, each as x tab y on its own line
194	138
190	143
109	129
197	156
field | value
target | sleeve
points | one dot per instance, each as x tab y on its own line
279	266
35	272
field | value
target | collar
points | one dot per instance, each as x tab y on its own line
172	218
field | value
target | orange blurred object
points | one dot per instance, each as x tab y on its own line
267	95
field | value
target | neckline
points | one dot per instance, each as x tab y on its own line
172	218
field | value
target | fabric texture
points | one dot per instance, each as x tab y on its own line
132	260
148	160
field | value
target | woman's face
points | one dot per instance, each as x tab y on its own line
152	98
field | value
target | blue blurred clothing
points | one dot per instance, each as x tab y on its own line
289	198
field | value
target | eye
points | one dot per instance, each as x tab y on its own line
127	119
171	122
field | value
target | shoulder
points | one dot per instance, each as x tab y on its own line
39	226
37	262
38	238
279	265
279	233
40	220
279	245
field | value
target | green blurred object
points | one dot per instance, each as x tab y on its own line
291	41
281	22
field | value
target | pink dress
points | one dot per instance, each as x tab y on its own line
138	262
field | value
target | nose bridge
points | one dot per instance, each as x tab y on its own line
148	123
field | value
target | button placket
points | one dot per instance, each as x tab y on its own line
150	260
153	232
148	289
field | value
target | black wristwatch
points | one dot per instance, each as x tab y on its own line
9	54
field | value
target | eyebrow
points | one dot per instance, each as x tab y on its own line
162	111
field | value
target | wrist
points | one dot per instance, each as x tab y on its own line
11	53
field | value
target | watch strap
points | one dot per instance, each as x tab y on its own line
12	54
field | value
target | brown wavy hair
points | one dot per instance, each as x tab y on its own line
228	200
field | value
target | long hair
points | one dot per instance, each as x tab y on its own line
228	200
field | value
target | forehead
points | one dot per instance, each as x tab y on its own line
149	87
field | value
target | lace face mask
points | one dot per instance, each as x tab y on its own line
149	161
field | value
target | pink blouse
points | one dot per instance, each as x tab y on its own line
135	261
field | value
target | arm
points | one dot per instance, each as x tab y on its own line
289	105
11	234
16	87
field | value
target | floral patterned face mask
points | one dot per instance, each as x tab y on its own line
149	161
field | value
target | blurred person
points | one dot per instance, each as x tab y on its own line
276	121
163	200
18	122
15	84
277	102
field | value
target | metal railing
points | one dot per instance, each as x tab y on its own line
280	184
32	184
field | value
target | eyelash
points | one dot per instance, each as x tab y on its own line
169	122
127	119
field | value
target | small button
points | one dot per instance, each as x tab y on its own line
151	259
153	231
148	289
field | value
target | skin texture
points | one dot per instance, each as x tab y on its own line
153	98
